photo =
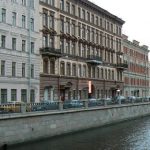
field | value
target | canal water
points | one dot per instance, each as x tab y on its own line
129	135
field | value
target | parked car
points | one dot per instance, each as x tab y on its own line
139	99
131	99
120	99
108	100
147	99
73	104
94	102
45	105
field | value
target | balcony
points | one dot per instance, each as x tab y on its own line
49	51
94	60
122	66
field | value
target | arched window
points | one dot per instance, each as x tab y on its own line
45	65
62	68
52	67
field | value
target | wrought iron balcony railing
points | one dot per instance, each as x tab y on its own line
121	66
51	51
94	59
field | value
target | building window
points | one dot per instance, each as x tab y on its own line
3	95
51	42
68	7
2	68
52	67
88	16
32	71
83	51
79	12
23	21
23	45
88	34
67	26
13	43
73	10
79	70
62	24
13	69
32	4
101	22
84	71
62	68
83	14
68	47
3	15
23	69
14	18
3	41
92	35
106	77
83	31
32	24
113	75
51	2
45	41
32	95
73	28
93	72
61	4
73	49
97	20
62	45
51	20
32	47
45	65
98	75
24	2
13	95
74	70
45	18
79	29
68	69
24	95
102	73
92	19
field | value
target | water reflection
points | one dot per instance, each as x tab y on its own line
130	135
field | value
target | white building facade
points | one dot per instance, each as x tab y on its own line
19	51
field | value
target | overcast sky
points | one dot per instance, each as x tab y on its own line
135	13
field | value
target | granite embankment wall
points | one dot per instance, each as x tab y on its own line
16	128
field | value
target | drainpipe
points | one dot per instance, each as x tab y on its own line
29	50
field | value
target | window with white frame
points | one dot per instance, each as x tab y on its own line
3	15
14	18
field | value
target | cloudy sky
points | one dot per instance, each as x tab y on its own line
135	13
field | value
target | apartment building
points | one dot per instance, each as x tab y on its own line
81	52
136	77
19	50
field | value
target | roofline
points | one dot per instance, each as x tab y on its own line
98	8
